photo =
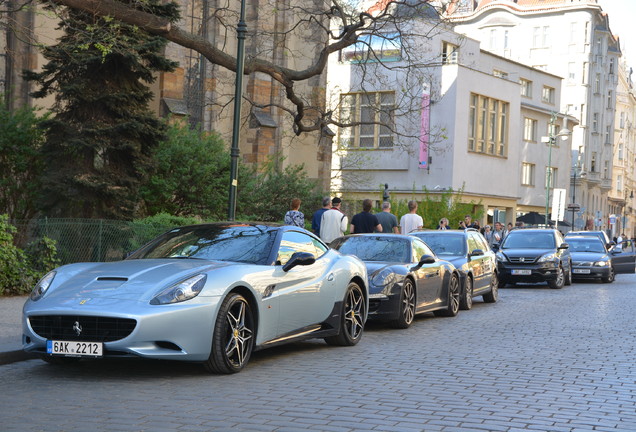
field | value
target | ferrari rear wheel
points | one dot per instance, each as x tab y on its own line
353	316
453	299
233	338
406	314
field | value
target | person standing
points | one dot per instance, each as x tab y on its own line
387	219
317	217
295	217
411	221
334	222
443	224
365	221
488	234
498	234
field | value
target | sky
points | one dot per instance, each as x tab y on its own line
621	19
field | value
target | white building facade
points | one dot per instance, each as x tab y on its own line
572	39
462	127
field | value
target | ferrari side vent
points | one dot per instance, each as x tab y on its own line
82	328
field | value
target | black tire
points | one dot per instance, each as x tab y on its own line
568	276
452	308
559	281
466	298
352	318
406	313
610	277
233	337
493	295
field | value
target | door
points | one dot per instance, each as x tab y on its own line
429	277
306	292
624	257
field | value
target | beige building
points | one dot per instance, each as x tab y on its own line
572	39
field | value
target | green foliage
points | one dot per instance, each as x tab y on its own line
190	176
436	206
20	270
265	194
99	140
20	162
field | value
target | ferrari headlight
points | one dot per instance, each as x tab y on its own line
383	278
547	257
40	289
601	263
182	291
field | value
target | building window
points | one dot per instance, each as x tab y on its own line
551	176
608	131
573	33
593	162
376	113
620	151
488	125
619	183
597	83
374	48
622	121
541	37
529	129
572	72
499	73
526	87
582	114
611	66
547	95
449	53
606	170
527	174
610	97
586	72
595	122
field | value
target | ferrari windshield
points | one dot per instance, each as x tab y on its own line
444	244
377	248
239	243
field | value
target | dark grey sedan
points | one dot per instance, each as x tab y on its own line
592	260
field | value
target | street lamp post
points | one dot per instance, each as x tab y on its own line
551	140
241	30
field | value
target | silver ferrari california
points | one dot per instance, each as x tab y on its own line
208	293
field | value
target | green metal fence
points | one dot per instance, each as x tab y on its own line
88	240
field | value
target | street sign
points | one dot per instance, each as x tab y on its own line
558	204
574	207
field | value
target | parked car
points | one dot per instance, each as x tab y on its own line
534	255
602	235
469	252
405	277
592	260
207	293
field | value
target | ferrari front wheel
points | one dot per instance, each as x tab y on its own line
233	337
353	316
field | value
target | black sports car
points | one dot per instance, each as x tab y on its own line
405	277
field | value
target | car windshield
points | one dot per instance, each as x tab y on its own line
444	244
529	240
239	243
377	248
576	245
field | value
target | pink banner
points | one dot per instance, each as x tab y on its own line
425	128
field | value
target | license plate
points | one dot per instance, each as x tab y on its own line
581	271
74	348
522	272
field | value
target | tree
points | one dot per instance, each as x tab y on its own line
330	26
98	142
189	176
20	161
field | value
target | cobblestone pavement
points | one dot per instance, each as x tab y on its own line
539	359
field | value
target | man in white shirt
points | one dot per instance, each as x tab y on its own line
333	223
411	221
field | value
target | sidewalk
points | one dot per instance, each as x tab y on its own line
11	330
